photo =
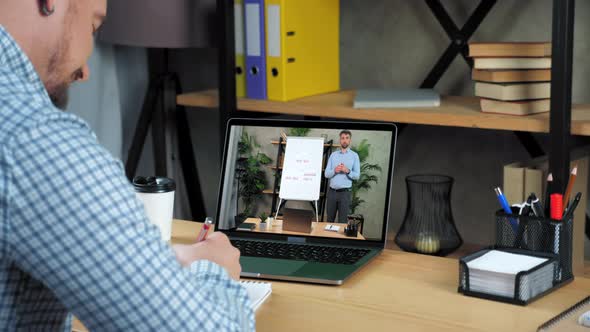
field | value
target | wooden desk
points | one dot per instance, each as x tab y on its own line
397	291
317	229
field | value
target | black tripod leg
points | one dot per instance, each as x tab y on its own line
186	155
141	130
159	131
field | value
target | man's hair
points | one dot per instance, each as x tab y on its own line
347	132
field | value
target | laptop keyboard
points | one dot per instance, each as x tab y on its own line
300	252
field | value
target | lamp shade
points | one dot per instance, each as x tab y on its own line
160	24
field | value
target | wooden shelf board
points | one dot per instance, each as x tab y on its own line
454	111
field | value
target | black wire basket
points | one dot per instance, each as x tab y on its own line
535	236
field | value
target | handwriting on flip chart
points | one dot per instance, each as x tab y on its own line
302	169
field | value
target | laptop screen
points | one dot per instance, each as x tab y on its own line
308	179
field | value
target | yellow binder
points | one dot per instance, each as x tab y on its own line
240	56
302	40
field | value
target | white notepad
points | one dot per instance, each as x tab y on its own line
505	262
495	273
258	292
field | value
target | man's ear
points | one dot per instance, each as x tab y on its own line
47	7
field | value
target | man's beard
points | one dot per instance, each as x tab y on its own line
344	146
57	87
59	95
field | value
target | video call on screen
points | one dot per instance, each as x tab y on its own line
306	181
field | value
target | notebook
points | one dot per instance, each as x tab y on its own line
568	320
396	98
495	273
258	292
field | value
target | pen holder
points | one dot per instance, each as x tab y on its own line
537	234
351	229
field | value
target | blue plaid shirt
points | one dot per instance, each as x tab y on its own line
73	237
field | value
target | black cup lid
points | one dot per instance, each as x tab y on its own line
153	184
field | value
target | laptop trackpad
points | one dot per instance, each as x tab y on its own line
325	271
270	265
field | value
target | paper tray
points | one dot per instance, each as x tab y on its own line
527	285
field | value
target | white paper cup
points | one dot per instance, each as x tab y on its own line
157	196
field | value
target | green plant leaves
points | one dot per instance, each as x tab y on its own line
250	173
299	131
363	184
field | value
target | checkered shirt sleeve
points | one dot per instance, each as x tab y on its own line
75	239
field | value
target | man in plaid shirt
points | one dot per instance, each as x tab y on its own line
73	237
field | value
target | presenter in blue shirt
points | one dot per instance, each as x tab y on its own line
343	168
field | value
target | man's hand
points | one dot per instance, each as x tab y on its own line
216	248
338	169
344	169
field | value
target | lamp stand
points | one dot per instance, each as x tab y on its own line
166	117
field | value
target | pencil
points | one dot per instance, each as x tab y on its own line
570	185
547	193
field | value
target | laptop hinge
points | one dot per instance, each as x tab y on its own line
296	239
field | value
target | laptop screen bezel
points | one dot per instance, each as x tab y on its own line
279	123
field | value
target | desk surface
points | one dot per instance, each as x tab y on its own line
317	229
397	291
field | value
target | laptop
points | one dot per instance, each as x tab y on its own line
323	251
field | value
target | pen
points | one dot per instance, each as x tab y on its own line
204	230
526	210
570	210
536	205
506	207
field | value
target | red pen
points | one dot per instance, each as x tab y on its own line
204	230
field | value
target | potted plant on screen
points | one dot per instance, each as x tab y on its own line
363	184
264	224
250	175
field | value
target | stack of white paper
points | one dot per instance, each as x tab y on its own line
258	292
495	273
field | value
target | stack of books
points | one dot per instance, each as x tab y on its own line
512	78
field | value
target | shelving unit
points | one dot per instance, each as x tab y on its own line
559	125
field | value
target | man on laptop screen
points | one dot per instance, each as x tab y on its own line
343	168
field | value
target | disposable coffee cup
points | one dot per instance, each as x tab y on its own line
157	196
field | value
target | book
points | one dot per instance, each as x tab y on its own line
513	184
512	63
258	292
510	92
510	49
533	183
525	107
246	226
511	76
568	319
396	98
